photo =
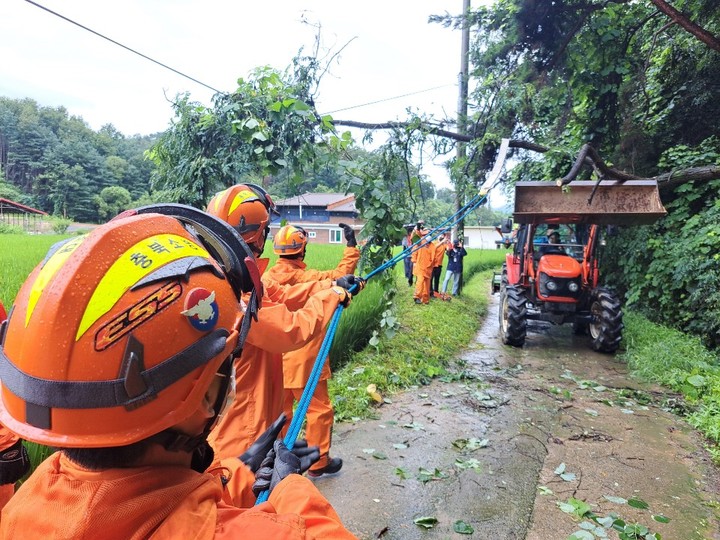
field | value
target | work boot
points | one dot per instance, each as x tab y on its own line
333	466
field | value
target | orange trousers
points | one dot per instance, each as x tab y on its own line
422	289
319	419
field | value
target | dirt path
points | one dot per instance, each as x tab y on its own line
483	451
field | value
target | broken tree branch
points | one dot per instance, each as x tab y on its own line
587	156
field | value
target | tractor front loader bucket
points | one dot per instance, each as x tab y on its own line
632	202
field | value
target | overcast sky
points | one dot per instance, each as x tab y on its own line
391	51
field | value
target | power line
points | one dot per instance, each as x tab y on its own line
207	85
388	99
125	47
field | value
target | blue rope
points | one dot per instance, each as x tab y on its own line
313	379
309	390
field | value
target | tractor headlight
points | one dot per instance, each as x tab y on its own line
551	285
573	286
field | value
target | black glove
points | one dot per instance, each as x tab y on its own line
14	463
281	462
308	455
351	283
349	234
254	456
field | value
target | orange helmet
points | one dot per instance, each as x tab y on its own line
116	336
290	240
247	208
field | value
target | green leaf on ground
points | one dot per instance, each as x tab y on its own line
574	507
425	475
379	455
616	500
581	535
400	446
468	464
402	473
544	490
561	472
472	443
638	503
427	522
660	518
461	527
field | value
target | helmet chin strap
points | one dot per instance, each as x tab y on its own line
197	445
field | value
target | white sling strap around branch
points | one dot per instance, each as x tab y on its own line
497	168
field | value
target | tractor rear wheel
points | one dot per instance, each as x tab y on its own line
513	316
606	326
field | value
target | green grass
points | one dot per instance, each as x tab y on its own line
425	345
681	363
19	254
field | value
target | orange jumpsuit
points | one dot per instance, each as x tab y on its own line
423	261
298	364
438	256
64	501
258	371
7	439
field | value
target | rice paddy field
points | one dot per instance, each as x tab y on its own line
19	254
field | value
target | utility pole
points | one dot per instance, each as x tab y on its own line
462	117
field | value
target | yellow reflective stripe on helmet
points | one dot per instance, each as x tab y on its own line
244	196
49	269
137	262
215	201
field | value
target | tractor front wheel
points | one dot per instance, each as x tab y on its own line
513	316
606	326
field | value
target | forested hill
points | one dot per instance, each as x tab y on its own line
55	162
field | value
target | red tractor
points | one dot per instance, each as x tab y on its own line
553	273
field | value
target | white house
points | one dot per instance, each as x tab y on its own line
482	237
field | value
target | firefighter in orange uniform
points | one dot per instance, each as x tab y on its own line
259	371
290	244
440	245
14	459
144	323
423	259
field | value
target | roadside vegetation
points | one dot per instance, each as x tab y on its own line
681	363
422	346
